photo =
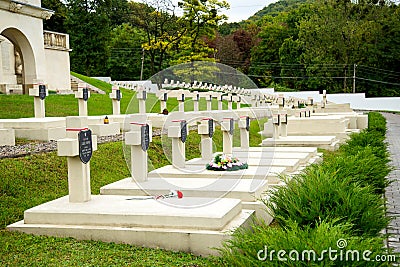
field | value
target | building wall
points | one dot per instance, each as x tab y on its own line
58	69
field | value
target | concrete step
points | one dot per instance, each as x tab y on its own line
173	224
269	173
325	142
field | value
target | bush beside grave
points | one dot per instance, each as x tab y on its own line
260	246
344	192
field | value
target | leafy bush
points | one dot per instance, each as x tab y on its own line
376	123
317	194
254	247
362	166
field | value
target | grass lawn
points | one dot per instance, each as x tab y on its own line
29	181
21	106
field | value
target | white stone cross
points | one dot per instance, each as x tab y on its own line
116	96
39	92
178	132
139	139
78	147
206	130
83	95
244	126
227	127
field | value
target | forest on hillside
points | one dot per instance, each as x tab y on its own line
334	45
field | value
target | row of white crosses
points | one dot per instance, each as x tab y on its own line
182	94
200	85
139	137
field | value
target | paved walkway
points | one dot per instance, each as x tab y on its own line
393	191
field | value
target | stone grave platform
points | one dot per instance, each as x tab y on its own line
250	192
188	224
253	172
325	142
7	137
290	164
96	124
44	129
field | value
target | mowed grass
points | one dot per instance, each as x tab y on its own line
21	106
32	180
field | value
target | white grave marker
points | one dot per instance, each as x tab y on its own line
227	127
206	131
116	96
178	132
244	126
39	92
139	138
78	147
82	95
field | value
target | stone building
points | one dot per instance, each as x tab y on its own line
27	52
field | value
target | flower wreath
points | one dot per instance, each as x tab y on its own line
222	162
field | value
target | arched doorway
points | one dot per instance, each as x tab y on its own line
24	59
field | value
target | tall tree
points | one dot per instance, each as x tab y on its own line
162	28
200	19
88	26
124	45
56	22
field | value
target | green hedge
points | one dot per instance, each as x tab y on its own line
260	245
338	198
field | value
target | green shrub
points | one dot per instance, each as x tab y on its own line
373	139
376	123
254	247
316	194
362	166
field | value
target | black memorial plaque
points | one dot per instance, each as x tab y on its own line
210	128
145	137
183	98
165	97
210	98
231	126
85	94
183	131
197	97
144	95
85	145
248	123
118	94
42	91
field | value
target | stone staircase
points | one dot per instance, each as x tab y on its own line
74	86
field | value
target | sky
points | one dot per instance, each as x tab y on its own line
243	9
